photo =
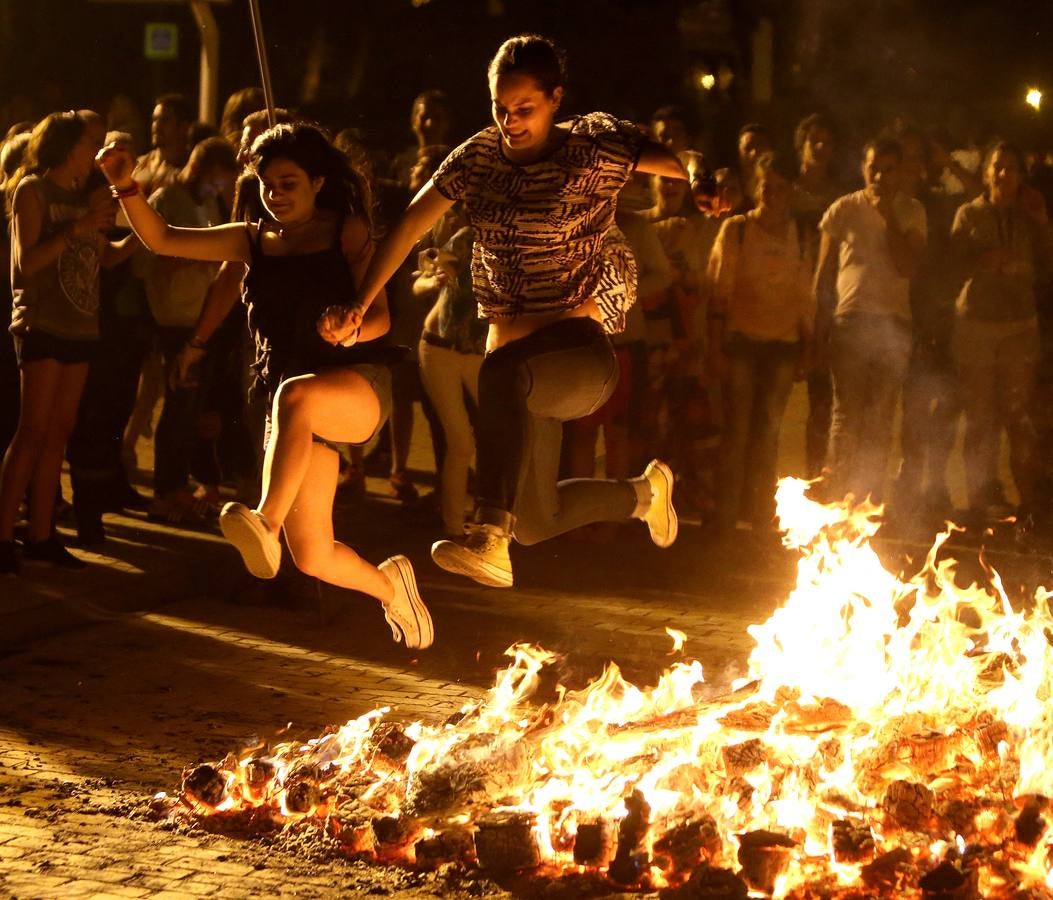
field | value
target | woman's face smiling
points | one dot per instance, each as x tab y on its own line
288	191
523	112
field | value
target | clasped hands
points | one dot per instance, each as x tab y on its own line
341	325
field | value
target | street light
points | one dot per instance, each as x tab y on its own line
1034	98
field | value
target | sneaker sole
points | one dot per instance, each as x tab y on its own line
243	531
425	626
453	558
670	513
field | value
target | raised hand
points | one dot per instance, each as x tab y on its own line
117	163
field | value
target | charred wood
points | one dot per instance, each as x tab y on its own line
764	856
908	804
630	862
507	842
205	784
594	844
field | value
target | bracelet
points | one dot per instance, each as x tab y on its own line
197	343
352	339
119	193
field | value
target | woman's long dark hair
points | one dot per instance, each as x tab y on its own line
50	144
344	191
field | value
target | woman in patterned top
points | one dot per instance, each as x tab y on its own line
549	272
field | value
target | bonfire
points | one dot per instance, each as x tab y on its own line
890	738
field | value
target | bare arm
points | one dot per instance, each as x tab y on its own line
656	159
30	254
216	244
423	212
826	284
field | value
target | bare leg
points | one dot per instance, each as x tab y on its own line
40	381
309	532
338	406
47	469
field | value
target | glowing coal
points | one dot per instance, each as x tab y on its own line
890	736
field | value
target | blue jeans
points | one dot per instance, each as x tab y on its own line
869	358
527	390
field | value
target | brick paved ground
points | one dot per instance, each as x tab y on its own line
161	655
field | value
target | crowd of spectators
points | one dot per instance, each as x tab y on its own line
910	286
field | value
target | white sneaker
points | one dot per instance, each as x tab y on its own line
482	555
407	615
247	530
660	516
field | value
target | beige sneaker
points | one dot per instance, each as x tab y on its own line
660	516
247	530
407	615
482	555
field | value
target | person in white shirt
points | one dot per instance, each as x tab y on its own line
871	244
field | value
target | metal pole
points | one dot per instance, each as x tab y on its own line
261	55
208	91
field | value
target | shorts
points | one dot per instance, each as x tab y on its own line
379	378
34	346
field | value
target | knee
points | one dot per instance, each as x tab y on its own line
292	395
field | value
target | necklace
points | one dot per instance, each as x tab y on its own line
285	230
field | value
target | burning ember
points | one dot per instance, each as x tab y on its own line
891	738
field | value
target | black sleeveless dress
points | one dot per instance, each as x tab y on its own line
285	296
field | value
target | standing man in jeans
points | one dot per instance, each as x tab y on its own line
871	244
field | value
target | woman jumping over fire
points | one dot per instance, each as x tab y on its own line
541	197
311	258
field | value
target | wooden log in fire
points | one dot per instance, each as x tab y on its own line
764	856
595	842
852	841
506	841
302	787
742	758
948	882
205	784
258	776
908	805
1030	824
452	845
481	767
390	738
631	861
683	848
887	870
710	883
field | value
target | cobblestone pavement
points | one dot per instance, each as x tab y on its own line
177	657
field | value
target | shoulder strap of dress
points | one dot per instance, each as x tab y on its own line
257	242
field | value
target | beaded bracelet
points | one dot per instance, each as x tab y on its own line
120	193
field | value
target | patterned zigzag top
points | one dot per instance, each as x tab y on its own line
545	238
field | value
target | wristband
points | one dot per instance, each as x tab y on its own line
352	339
119	193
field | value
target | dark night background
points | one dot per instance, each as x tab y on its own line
963	63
